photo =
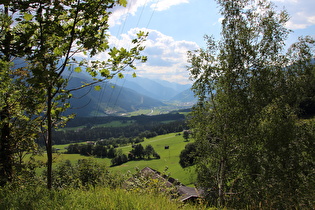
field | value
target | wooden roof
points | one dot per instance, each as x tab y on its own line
185	192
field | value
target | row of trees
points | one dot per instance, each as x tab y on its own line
139	119
137	153
39	41
120	141
130	132
253	149
92	150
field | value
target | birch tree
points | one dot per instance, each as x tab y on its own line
248	135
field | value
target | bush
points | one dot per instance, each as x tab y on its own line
188	155
119	159
85	173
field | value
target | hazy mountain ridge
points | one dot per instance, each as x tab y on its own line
129	94
158	89
124	95
186	96
89	102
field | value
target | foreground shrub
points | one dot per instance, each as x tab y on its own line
84	173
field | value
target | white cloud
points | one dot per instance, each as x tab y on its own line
119	14
220	20
286	1
166	4
167	58
301	20
301	12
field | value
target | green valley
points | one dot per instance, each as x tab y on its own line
169	158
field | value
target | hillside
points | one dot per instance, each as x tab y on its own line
88	102
123	95
186	96
126	95
157	89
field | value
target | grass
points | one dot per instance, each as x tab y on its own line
169	158
62	147
71	128
138	112
99	198
115	123
155	111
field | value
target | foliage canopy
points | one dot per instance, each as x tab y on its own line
253	150
50	38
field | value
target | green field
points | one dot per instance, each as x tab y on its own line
157	110
115	123
143	111
169	158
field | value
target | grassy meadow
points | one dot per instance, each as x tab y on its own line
116	123
169	158
100	197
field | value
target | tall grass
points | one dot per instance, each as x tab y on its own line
38	197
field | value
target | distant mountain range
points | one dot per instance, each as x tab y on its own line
125	95
129	94
186	96
157	89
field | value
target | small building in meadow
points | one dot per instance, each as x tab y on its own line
186	194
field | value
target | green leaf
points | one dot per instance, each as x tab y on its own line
57	51
97	88
144	59
123	3
28	16
140	34
120	75
134	75
77	69
105	72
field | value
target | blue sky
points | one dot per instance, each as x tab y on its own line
176	26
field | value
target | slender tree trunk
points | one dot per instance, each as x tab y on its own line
6	150
6	159
222	172
49	138
221	182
